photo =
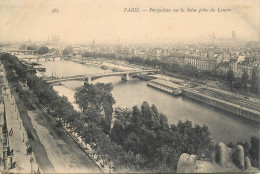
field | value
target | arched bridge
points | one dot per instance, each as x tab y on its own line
21	51
89	77
45	56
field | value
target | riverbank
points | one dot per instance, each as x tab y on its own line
108	64
127	94
213	97
221	104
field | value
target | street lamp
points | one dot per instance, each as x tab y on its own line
31	161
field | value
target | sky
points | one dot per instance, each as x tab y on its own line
81	21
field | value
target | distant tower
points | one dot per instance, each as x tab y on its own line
213	36
234	36
93	45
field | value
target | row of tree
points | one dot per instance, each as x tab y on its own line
58	106
98	55
243	82
91	125
41	50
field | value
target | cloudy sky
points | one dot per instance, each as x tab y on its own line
106	21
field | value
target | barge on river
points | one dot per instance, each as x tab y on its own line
166	86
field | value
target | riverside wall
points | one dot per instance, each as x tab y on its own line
192	93
227	106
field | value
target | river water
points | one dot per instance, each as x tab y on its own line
223	126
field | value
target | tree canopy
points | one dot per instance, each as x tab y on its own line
254	81
147	132
68	50
43	50
96	103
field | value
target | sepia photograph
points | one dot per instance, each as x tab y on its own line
129	86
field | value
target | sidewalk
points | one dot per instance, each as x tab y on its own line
17	141
1	134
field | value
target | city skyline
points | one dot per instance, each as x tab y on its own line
82	21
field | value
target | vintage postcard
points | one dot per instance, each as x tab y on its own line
129	86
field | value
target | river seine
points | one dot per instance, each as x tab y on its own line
222	125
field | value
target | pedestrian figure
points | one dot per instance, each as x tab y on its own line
12	152
29	150
102	165
11	132
38	171
27	143
13	165
8	151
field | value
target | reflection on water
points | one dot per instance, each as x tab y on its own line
223	126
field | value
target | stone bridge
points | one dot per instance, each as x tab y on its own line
89	77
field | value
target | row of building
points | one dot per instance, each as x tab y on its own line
238	66
239	57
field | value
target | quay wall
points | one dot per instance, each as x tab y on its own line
227	106
221	104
